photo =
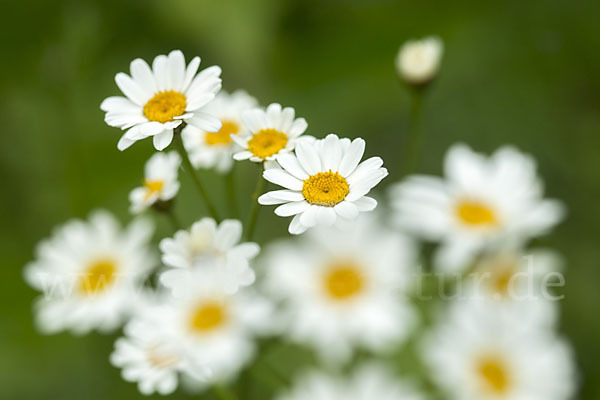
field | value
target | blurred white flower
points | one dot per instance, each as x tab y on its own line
160	99
207	245
160	181
89	273
322	181
150	354
368	382
273	131
418	61
215	328
343	289
476	354
512	280
482	201
215	149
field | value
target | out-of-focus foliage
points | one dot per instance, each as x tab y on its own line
513	72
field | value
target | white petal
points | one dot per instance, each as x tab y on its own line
346	210
242	155
161	73
352	157
331	153
291	164
190	72
131	89
176	67
325	216
308	158
162	140
205	121
143	76
296	226
364	168
282	178
363	187
309	217
365	204
286	195
124	143
293	208
298	127
228	234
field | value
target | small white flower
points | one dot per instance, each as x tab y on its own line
160	181
208	245
160	99
322	181
272	132
88	273
215	328
215	149
482	202
478	355
418	61
150	354
368	382
343	288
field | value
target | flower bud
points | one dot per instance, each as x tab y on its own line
418	61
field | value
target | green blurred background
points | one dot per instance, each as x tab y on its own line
514	72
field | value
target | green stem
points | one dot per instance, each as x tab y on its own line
223	392
260	187
230	188
173	219
414	137
187	164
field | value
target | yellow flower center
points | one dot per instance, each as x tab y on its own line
267	142
159	358
493	374
208	316
165	106
98	276
223	136
476	213
325	189
343	281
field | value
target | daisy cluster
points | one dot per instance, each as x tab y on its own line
201	308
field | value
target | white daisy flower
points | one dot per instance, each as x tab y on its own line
368	382
160	99
88	273
273	132
207	244
343	289
160	182
481	202
216	328
484	356
215	149
418	61
150	355
322	181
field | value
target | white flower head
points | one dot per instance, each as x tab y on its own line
215	149
150	354
273	132
368	382
482	201
212	246
160	181
323	180
418	61
217	328
160	99
476	354
89	273
343	290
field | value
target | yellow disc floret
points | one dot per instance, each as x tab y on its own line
343	281
207	316
223	136
494	374
165	106
476	213
267	142
98	276
325	189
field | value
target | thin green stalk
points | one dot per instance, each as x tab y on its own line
254	210
223	392
172	219
230	188
414	137
166	208
187	164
